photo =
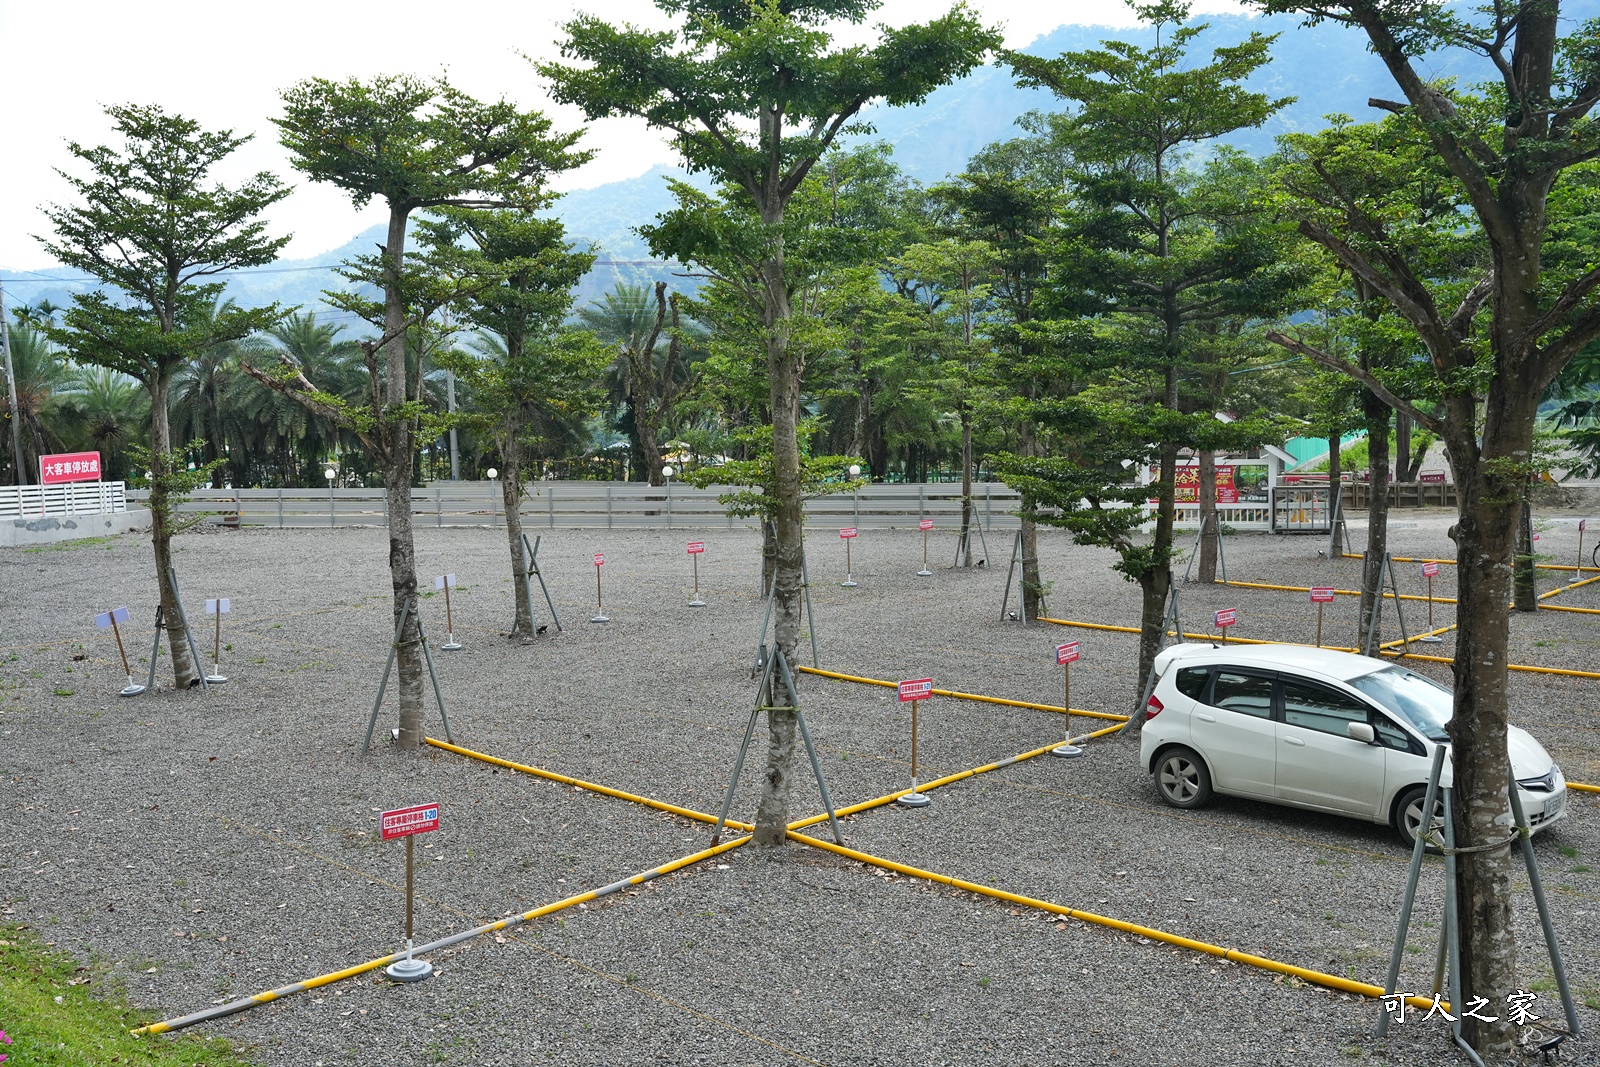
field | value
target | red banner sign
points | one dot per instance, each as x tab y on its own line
599	559
1322	594
925	524
1431	476
916	689
1067	653
696	547
1429	570
69	467
403	822
847	533
1226	617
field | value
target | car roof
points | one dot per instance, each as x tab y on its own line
1342	666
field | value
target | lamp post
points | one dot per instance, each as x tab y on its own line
330	474
667	472
493	474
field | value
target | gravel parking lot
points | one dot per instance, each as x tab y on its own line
203	846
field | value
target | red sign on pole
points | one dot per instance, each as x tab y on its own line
924	524
1322	594
403	822
696	547
1067	653
1226	616
1583	524
1436	477
69	467
599	559
847	533
916	689
1429	570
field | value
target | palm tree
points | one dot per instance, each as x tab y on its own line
283	442
202	403
104	410
40	374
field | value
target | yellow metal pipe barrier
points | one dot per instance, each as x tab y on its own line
1563	607
1331	981
268	996
1574	585
659	805
965	696
1337	592
1452	563
1582	788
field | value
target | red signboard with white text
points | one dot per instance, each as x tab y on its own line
69	467
847	533
1226	617
916	689
403	822
696	548
1067	653
1429	570
1322	594
599	559
924	524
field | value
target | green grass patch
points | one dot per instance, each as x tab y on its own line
68	546
58	1013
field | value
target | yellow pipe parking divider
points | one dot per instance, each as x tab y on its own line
964	696
659	805
1336	592
270	995
1331	981
1452	563
1582	788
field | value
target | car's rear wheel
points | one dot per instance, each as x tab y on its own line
1183	779
1408	814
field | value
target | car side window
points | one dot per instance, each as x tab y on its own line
1390	735
1248	694
1317	707
1191	681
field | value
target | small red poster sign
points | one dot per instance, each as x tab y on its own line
599	559
1429	570
1067	653
916	689
1433	477
1226	616
696	547
924	524
403	822
847	533
69	467
1322	594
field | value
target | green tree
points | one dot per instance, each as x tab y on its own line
105	411
1510	154
755	94
39	375
153	224
1153	246
536	375
414	145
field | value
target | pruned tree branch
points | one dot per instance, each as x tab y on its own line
1365	377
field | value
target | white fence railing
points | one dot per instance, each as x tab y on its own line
71	498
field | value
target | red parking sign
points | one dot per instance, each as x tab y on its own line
1226	616
1429	570
696	547
916	689
925	524
599	559
1067	653
847	533
1322	594
403	822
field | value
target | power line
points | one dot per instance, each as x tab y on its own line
41	278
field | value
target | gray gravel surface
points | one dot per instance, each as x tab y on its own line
200	847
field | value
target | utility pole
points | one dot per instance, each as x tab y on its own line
11	393
450	403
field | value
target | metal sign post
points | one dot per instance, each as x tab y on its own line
696	550
447	582
1321	596
110	619
599	605
847	535
1428	571
218	608
1066	655
915	690
924	525
1583	524
1224	618
407	823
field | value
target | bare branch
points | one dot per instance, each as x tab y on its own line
1365	377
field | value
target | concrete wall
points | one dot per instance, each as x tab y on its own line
50	529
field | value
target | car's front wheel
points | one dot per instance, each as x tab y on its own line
1408	814
1183	779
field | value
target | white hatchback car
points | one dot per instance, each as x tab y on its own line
1313	728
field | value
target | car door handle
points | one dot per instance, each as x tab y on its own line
1203	717
1294	741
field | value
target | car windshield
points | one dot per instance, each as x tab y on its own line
1422	702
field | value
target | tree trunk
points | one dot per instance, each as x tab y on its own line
1377	413
1527	591
511	497
1032	586
1210	533
394	432
1155	583
1402	447
966	486
783	376
185	672
1335	465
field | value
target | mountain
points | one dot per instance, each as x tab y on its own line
1327	69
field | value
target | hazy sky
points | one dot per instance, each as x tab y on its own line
224	65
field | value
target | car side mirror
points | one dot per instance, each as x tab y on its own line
1361	731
